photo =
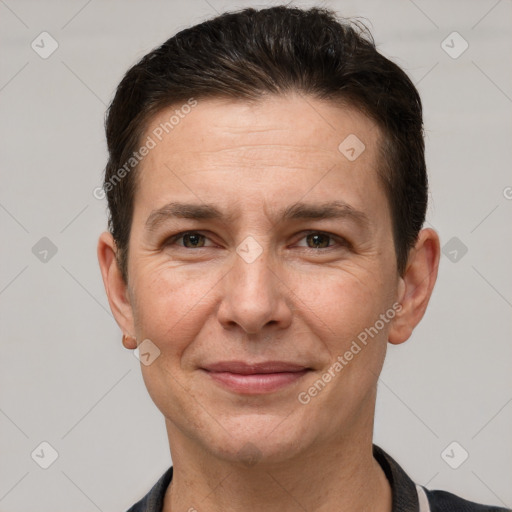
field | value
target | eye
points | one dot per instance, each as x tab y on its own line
190	240
314	240
320	240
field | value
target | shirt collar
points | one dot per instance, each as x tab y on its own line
405	496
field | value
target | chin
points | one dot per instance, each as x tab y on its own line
250	440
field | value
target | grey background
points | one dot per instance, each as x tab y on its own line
65	377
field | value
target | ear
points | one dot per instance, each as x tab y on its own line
416	285
116	288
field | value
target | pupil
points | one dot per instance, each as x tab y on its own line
193	239
317	240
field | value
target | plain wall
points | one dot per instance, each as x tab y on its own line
65	377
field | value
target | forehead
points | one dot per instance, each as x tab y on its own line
278	149
290	120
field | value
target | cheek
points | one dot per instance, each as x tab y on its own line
356	340
350	306
346	300
168	305
170	311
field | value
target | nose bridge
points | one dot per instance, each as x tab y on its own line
252	296
252	279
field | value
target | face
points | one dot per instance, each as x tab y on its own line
260	256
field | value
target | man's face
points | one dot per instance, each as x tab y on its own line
257	286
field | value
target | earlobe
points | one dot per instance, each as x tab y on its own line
129	342
416	285
115	286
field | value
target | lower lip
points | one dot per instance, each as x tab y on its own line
256	383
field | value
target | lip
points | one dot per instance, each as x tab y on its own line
255	378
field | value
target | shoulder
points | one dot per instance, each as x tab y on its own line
442	501
409	497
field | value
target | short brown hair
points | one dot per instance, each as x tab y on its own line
252	53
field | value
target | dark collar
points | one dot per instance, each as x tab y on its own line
405	497
154	499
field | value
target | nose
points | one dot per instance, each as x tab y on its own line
254	296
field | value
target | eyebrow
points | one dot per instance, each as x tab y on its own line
296	211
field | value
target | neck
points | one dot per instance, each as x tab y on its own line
342	475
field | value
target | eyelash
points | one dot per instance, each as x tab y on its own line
342	242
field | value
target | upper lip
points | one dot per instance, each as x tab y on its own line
243	368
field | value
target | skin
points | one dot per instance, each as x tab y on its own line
299	301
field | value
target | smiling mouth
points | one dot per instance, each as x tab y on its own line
257	378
